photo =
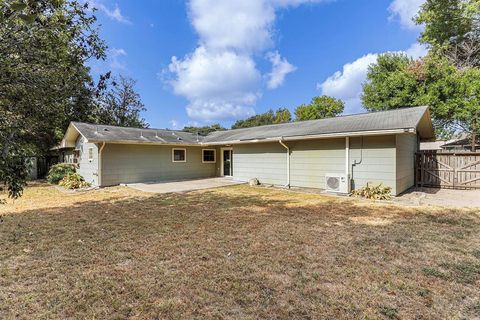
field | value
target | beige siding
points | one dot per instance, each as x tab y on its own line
375	161
87	168
407	145
122	163
312	159
265	161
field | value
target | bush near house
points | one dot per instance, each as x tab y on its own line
59	171
375	192
73	181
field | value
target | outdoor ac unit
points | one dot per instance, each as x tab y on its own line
339	183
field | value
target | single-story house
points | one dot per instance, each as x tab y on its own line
374	147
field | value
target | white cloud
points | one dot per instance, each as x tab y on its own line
405	11
280	68
347	83
115	59
114	13
219	85
176	125
220	78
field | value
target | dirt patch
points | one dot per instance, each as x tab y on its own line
235	252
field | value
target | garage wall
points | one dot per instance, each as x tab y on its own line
407	145
87	168
376	161
265	161
122	163
311	160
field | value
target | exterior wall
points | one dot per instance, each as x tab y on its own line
375	159
87	168
128	163
407	145
310	160
265	161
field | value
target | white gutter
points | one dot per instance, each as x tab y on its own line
100	164
288	162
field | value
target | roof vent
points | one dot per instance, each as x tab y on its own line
105	129
179	138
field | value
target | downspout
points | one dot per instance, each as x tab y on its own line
347	161
100	164
288	161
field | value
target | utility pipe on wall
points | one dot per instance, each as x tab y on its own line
288	162
347	161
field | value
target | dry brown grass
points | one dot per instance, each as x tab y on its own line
236	252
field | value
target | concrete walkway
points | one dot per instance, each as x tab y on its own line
184	186
441	197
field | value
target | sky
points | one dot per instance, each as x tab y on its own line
200	62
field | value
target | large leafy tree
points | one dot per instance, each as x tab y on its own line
396	81
319	108
44	81
452	30
205	129
121	105
282	115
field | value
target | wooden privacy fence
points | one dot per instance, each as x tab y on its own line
448	170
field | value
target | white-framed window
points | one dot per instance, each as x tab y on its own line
179	155
90	154
209	156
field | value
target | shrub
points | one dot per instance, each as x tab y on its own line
59	171
73	181
378	192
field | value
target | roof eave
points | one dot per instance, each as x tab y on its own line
319	136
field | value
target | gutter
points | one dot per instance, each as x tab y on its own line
288	161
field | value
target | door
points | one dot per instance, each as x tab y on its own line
227	162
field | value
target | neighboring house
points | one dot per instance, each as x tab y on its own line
432	145
373	147
461	145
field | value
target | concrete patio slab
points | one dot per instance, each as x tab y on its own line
183	186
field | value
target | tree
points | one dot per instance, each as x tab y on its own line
282	115
121	105
390	84
205	129
44	80
452	29
319	108
396	81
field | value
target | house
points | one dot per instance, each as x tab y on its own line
464	144
372	147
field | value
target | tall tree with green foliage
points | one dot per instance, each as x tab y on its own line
452	30
44	80
121	105
205	129
282	115
397	82
319	108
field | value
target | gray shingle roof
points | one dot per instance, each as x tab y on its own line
407	118
94	132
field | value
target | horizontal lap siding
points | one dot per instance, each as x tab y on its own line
88	169
407	145
265	161
123	163
311	160
375	161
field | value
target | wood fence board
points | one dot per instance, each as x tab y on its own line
447	170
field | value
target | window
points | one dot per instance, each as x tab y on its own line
208	156
179	155
90	154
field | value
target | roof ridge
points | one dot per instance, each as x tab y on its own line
336	117
125	127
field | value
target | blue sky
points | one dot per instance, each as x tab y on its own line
203	61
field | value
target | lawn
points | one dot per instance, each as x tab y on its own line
235	252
